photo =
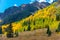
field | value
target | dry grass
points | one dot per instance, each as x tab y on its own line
39	34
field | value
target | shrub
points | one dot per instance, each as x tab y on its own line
16	33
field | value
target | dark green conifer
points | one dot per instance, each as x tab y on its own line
9	31
0	30
48	31
58	29
58	17
29	28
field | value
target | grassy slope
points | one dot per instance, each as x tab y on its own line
39	34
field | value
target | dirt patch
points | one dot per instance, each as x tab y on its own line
39	34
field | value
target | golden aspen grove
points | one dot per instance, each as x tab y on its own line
38	20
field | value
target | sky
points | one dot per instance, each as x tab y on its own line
4	4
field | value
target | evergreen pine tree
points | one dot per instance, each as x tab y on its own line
58	30
9	31
58	17
29	28
0	30
43	20
34	22
48	31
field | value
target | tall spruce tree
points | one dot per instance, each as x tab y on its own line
29	28
58	17
9	31
58	29
0	30
48	31
34	24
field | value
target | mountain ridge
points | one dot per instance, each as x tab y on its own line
17	13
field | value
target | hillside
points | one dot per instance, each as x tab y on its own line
34	21
40	19
15	13
43	24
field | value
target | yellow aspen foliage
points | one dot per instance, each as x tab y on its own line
48	12
16	26
4	28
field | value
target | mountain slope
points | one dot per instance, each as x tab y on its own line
14	13
40	19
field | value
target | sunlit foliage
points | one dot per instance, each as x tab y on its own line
37	20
